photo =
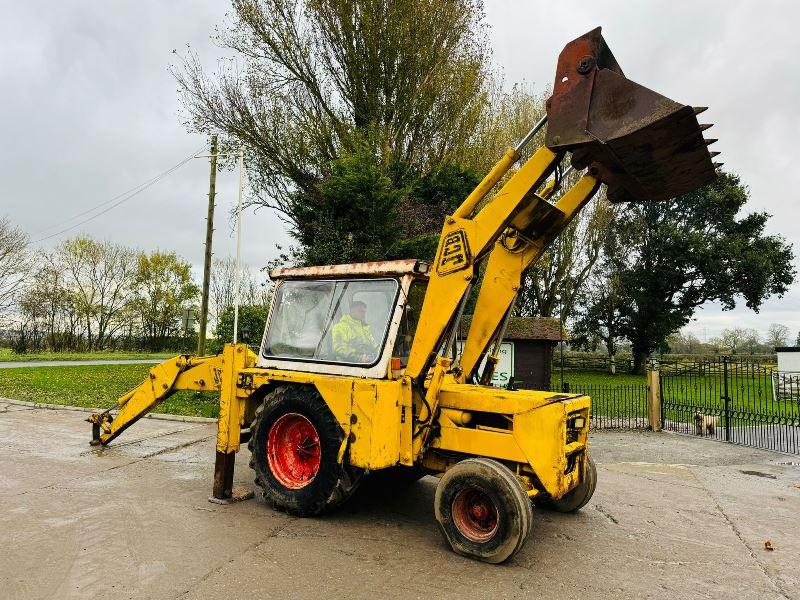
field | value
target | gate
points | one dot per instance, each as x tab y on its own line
615	406
734	401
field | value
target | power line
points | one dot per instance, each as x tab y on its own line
116	200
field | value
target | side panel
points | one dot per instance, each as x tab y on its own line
370	412
542	435
375	429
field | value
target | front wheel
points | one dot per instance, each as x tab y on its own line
577	497
294	450
483	511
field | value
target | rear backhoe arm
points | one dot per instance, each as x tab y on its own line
203	374
179	373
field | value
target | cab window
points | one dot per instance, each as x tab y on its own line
343	321
408	324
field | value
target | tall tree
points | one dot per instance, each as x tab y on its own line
352	219
101	275
599	318
323	79
164	287
692	250
15	264
777	335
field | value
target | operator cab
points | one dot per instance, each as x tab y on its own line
356	319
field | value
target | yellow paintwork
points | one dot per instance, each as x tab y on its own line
419	415
446	287
235	358
503	275
488	182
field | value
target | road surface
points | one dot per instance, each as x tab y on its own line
673	517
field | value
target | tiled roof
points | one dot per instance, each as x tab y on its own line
528	328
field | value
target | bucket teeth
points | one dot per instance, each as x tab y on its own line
704	126
713	154
710	141
718	165
699	109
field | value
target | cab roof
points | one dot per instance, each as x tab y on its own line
409	266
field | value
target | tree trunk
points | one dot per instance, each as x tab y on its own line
639	361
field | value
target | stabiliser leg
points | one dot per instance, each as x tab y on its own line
223	477
231	414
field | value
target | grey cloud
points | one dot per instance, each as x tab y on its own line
89	108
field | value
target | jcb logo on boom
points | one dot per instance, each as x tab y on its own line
455	253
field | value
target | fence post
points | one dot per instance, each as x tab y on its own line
726	398
654	397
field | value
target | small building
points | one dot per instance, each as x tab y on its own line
788	359
528	351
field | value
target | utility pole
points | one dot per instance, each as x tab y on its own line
201	338
236	296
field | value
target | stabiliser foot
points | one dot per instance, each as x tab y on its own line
224	492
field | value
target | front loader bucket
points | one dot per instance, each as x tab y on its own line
641	144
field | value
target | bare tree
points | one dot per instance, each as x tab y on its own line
102	277
777	335
255	287
49	309
15	263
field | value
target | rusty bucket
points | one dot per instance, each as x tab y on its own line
643	145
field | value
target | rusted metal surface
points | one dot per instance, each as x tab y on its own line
641	144
371	269
223	475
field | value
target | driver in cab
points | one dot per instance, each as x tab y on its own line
352	337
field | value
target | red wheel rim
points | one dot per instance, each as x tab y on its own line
293	451
474	514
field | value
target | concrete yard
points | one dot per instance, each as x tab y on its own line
673	517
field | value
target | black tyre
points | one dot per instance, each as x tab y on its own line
294	449
483	511
576	498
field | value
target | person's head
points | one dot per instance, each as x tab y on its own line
358	310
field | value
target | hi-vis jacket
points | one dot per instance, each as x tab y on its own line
353	341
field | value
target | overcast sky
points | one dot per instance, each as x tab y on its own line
90	111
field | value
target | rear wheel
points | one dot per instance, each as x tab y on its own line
483	511
294	449
576	498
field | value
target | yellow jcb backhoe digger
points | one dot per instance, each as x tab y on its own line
357	373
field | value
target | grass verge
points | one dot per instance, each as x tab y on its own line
7	356
96	386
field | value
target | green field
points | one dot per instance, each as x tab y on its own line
95	386
621	395
7	356
581	379
613	395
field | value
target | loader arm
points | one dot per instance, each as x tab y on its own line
518	249
465	242
642	145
